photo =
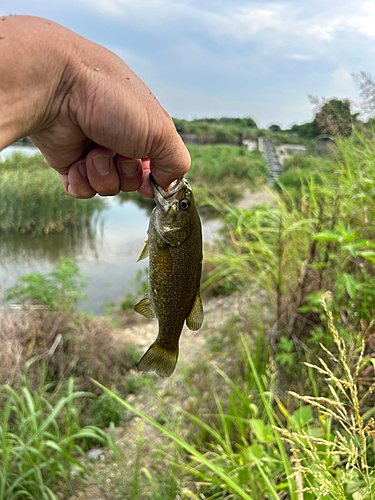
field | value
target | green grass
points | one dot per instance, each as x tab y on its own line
59	290
42	439
222	172
218	163
32	199
319	240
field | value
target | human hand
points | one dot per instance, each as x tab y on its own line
93	119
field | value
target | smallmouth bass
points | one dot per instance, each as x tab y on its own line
174	247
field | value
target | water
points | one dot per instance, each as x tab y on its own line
107	254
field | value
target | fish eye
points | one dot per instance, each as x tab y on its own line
184	204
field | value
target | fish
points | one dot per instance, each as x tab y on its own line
174	248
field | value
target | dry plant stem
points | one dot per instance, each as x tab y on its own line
6	312
344	407
351	385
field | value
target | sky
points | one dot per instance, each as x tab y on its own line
229	57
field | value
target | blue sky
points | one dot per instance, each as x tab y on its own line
229	58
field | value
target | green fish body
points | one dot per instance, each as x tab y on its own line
174	247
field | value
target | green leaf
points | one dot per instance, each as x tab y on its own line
350	284
262	432
368	254
302	417
255	452
328	236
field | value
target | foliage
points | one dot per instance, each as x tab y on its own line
217	130
345	433
60	289
320	240
217	163
333	117
240	450
298	170
222	172
32	199
308	164
366	84
41	440
306	130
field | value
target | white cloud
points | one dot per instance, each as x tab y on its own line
365	23
343	81
343	86
283	19
299	57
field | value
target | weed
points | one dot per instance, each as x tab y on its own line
59	290
334	459
104	410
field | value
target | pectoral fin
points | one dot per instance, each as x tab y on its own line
144	252
144	307
195	319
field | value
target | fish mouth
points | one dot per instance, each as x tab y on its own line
162	195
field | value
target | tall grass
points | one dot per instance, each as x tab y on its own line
41	440
334	457
222	172
218	163
32	199
256	447
320	240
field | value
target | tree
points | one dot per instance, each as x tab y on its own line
366	85
274	128
334	117
307	130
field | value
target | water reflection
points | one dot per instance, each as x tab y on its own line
106	252
18	248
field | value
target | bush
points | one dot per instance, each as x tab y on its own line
59	290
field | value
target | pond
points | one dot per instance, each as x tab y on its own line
106	254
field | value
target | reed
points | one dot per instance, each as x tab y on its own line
32	199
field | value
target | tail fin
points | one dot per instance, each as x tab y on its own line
158	359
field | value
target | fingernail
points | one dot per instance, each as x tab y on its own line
82	168
101	164
129	167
